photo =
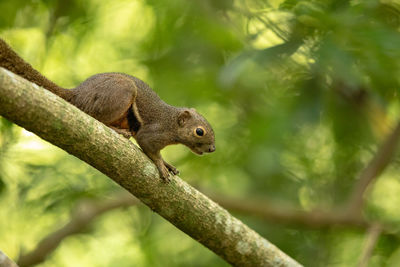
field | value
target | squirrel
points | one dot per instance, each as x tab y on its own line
130	107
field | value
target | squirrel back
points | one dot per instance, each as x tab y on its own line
130	107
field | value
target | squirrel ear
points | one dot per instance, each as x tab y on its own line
183	117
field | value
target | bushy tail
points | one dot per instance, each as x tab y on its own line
11	61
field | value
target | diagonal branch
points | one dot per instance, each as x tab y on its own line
374	168
62	124
288	215
5	261
85	213
372	238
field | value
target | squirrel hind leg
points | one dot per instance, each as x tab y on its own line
134	120
128	125
107	97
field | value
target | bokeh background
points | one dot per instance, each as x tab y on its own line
300	94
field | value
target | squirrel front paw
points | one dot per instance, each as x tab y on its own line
164	174
171	168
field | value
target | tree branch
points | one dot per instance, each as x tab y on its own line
84	214
5	261
374	168
372	238
288	215
87	211
62	124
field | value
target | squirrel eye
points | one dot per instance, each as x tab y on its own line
199	131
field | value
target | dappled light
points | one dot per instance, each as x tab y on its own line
303	97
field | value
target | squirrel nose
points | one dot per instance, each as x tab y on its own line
211	149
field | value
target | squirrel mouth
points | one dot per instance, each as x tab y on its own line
201	151
198	152
204	149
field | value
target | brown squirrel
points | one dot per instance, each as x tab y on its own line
130	107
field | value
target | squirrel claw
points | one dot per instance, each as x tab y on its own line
174	171
167	179
171	168
164	174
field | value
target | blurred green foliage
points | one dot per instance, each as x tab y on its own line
300	94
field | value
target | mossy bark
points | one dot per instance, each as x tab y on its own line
65	126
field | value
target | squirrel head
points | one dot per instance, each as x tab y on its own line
195	132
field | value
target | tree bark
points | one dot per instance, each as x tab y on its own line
6	261
65	126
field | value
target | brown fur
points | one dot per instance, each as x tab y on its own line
14	63
129	106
